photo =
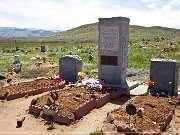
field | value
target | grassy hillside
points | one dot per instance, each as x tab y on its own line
89	33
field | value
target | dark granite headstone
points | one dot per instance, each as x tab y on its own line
164	73
43	48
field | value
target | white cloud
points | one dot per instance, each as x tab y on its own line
166	8
151	5
174	2
148	1
65	14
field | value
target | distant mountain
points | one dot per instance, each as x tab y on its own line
25	32
89	33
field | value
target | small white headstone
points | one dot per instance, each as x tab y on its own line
144	49
16	59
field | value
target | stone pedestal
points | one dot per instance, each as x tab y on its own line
69	66
112	50
164	73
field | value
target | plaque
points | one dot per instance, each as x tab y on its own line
109	60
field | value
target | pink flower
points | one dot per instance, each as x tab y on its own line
58	79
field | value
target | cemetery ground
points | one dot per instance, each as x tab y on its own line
139	62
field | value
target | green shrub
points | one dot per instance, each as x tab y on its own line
97	132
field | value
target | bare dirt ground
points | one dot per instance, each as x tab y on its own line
11	111
42	65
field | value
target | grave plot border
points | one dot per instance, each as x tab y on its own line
12	96
121	127
79	112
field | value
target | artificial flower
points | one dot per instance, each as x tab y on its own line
80	74
150	83
58	79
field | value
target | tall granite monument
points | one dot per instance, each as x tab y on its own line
112	50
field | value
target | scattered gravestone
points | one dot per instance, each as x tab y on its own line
17	48
144	49
1	51
43	48
91	57
112	51
130	50
17	67
164	73
69	66
16	59
54	50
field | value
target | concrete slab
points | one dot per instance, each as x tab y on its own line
141	89
132	85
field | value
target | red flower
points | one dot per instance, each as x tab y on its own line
87	73
54	71
150	83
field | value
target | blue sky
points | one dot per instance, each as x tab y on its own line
66	14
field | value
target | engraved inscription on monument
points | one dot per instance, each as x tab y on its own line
109	38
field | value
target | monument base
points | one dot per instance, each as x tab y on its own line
124	87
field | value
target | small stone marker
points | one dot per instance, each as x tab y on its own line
164	73
54	50
69	66
144	49
43	49
17	67
16	59
1	51
112	51
91	57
